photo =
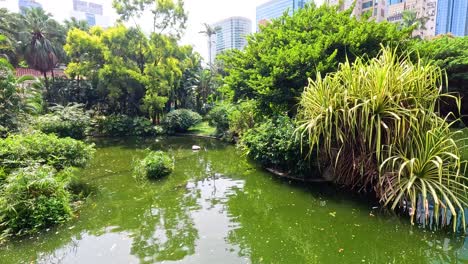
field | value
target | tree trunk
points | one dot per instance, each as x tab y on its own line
46	83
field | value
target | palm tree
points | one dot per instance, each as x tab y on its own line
411	20
209	32
42	40
75	23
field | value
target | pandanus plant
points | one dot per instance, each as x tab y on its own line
377	123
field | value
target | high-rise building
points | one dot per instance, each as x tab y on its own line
92	12
25	4
425	10
374	9
231	33
276	8
452	17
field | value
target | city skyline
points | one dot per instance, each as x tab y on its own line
200	12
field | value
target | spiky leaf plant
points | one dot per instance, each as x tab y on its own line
371	117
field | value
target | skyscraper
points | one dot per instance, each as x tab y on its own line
25	4
92	12
424	9
231	33
276	8
452	17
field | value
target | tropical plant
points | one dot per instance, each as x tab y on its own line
378	124
15	99
18	151
155	165
413	21
34	198
209	32
65	121
42	39
76	23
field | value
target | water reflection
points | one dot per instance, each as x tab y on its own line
218	208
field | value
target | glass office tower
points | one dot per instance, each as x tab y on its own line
276	8
452	17
231	33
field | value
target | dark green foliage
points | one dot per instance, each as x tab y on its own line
274	145
451	54
65	121
181	120
64	91
21	150
34	198
155	165
275	66
123	125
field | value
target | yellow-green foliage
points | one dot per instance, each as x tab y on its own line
377	122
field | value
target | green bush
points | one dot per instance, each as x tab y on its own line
155	165
65	121
219	117
34	198
21	150
143	127
123	125
273	144
113	125
242	117
181	120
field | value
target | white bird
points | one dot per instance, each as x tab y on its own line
195	147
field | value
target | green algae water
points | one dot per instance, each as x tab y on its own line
217	207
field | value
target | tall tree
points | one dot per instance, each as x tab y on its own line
42	39
169	16
278	61
75	23
209	32
9	23
413	21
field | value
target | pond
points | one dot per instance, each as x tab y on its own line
217	207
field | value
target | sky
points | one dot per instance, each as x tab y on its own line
199	12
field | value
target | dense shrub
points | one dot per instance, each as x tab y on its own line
230	119
65	121
113	125
33	198
181	120
274	145
242	117
219	117
20	150
123	125
155	165
143	127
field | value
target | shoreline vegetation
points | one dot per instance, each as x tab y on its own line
361	104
